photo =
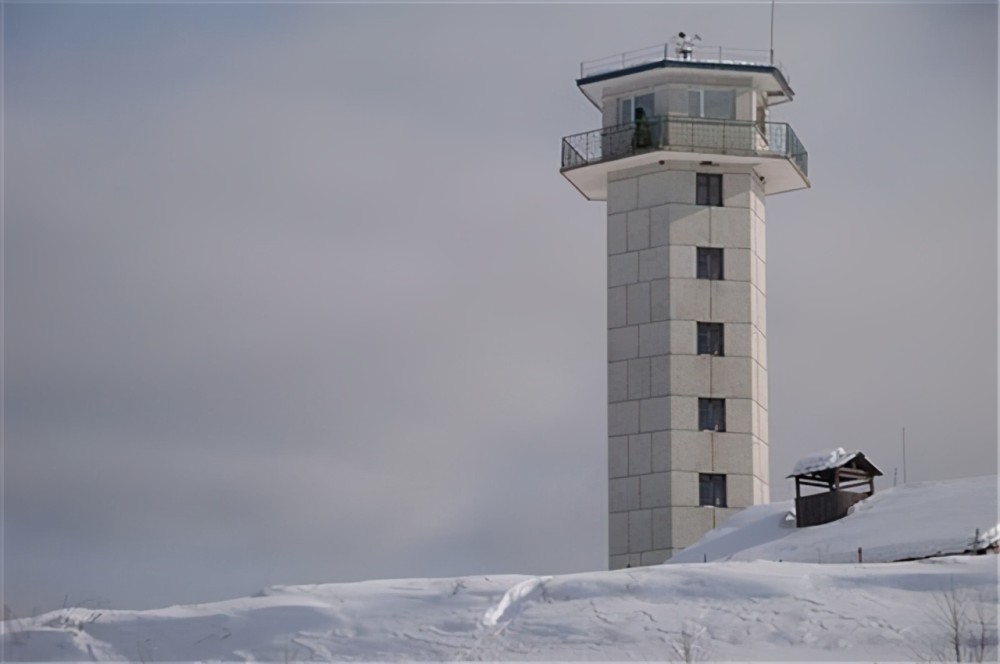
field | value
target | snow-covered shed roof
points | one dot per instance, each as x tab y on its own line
832	459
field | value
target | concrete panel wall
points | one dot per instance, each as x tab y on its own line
744	104
656	451
609	112
691	451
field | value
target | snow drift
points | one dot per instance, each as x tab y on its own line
760	610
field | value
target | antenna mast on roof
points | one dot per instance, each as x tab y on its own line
772	32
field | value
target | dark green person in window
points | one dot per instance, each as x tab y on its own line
641	137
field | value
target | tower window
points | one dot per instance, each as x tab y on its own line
712	414
714	104
710	339
629	105
709	263
712	490
708	189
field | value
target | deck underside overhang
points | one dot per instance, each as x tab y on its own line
779	173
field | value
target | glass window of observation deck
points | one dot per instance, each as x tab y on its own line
712	104
628	106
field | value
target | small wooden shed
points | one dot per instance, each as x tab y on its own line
840	474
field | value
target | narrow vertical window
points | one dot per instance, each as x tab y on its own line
708	189
625	111
712	414
710	339
709	263
712	490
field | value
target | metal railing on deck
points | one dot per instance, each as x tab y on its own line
668	51
732	137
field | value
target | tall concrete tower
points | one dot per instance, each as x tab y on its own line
685	157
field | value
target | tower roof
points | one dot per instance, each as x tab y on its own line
633	68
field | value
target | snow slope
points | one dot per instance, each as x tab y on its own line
910	521
761	610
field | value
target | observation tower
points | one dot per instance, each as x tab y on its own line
685	157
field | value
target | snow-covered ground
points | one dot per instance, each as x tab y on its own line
760	610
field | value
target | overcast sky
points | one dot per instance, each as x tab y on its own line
296	294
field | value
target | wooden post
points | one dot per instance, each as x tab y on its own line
904	455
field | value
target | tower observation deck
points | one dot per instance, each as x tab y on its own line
685	156
730	123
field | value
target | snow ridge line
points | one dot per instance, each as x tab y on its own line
512	600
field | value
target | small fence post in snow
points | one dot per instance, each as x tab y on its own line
860	557
704	556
